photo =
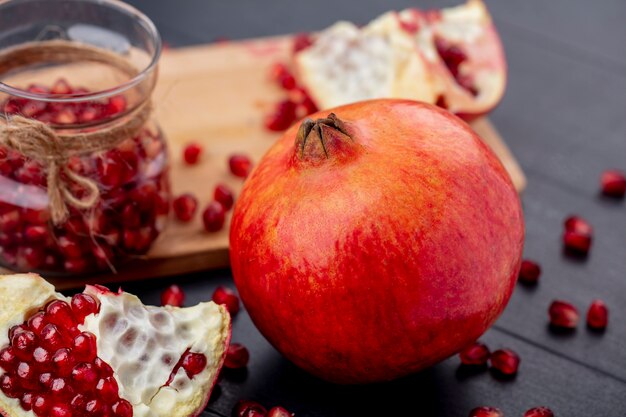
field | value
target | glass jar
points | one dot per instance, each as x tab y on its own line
83	165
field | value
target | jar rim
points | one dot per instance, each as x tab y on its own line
151	30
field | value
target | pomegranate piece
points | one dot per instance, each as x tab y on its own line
247	408
192	153
282	116
173	296
486	412
213	217
530	272
505	361
301	41
228	298
598	315
278	412
476	354
539	412
224	196
240	165
185	207
613	183
237	356
563	315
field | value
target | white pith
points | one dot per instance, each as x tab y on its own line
138	367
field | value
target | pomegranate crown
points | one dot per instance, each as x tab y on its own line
321	133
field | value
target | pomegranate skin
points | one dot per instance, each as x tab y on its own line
392	254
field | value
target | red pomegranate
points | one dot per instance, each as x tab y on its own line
375	240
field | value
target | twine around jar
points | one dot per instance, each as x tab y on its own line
40	142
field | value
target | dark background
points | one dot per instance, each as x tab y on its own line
564	117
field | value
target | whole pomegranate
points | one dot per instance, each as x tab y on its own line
376	240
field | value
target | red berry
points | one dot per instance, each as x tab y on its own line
122	408
213	217
505	361
563	315
173	296
301	41
613	183
486	412
228	298
193	363
224	196
185	207
278	412
240	165
476	354
597	315
539	412
237	356
530	272
107	389
192	153
83	305
84	347
245	408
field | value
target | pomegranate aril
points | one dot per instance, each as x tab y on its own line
539	412
613	183
213	217
237	356
301	41
78	402
476	354
530	272
122	408
240	165
185	207
61	86
486	412
84	347
24	344
60	313
278	412
41	405
224	196
42	358
85	374
282	116
69	247
60	410
598	315
131	216
193	363
26	402
578	225
60	389
45	380
576	242
173	296
63	362
17	329
563	315
192	153
505	361
103	368
82	306
282	76
227	297
75	266
107	388
115	105
9	386
94	407
246	408
7	358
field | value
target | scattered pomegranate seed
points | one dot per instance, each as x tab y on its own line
185	207
173	296
539	412
563	315
282	117
613	183
530	272
240	165
476	354
213	217
486	412
228	298
247	408
224	196
598	315
278	412
579	225
282	76
577	243
237	356
194	363
301	41
505	361
192	152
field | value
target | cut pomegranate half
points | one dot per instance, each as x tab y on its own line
104	354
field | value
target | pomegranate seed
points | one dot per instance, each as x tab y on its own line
476	354
9	386
579	225
577	243
282	117
539	412
191	153
65	117
486	412
173	296
237	356
213	217
60	410
246	408
42	357
84	347
224	196
240	165
85	374
530	272
613	183
7	358
193	363
26	402
505	361
563	315
61	389
26	375
301	41
33	108
24	344
107	388
78	402
597	315
94	407
122	408
63	362
228	298
41	405
60	313
103	367
69	247
185	207
45	380
115	105
281	75
61	86
278	412
131	216
82	306
35	233
308	105
15	330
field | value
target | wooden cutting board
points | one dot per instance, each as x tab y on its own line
217	95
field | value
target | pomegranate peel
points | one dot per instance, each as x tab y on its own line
141	354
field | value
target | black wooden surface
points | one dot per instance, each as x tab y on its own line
564	116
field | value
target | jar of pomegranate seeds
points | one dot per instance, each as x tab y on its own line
83	164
